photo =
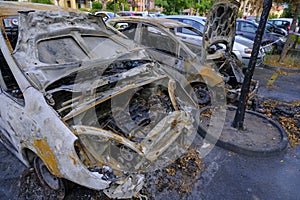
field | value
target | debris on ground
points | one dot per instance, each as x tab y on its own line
286	114
179	177
31	188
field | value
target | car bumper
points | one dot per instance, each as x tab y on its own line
245	58
246	61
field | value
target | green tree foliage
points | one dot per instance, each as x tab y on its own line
96	5
42	1
119	5
110	6
289	11
161	3
272	16
177	6
203	6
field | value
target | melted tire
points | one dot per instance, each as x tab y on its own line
202	94
48	180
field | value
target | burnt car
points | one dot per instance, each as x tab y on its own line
80	102
183	44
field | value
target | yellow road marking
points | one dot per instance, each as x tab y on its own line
273	78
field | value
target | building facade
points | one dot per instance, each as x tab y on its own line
135	5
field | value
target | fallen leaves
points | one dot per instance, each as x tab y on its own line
286	114
180	176
288	62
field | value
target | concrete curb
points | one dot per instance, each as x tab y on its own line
289	70
260	152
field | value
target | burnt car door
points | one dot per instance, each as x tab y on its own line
156	38
158	43
12	105
129	29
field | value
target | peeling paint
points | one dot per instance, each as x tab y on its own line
46	154
73	159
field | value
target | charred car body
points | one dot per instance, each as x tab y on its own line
82	103
165	37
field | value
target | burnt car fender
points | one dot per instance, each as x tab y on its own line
52	141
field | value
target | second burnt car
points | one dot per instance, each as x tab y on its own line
80	102
242	47
182	43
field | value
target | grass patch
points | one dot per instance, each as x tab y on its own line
294	38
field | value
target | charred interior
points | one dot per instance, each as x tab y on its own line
131	113
134	117
63	88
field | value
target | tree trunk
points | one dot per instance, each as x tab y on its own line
296	41
238	121
246	10
104	4
289	42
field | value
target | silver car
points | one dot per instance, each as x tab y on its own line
242	49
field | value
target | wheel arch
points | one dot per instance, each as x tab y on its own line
28	156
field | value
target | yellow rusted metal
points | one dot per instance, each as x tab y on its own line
46	154
73	159
171	91
212	78
4	34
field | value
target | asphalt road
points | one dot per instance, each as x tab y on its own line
241	177
228	175
278	86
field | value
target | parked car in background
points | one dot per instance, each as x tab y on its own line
285	23
270	27
271	42
106	15
125	13
156	14
142	14
273	28
242	47
195	21
132	13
